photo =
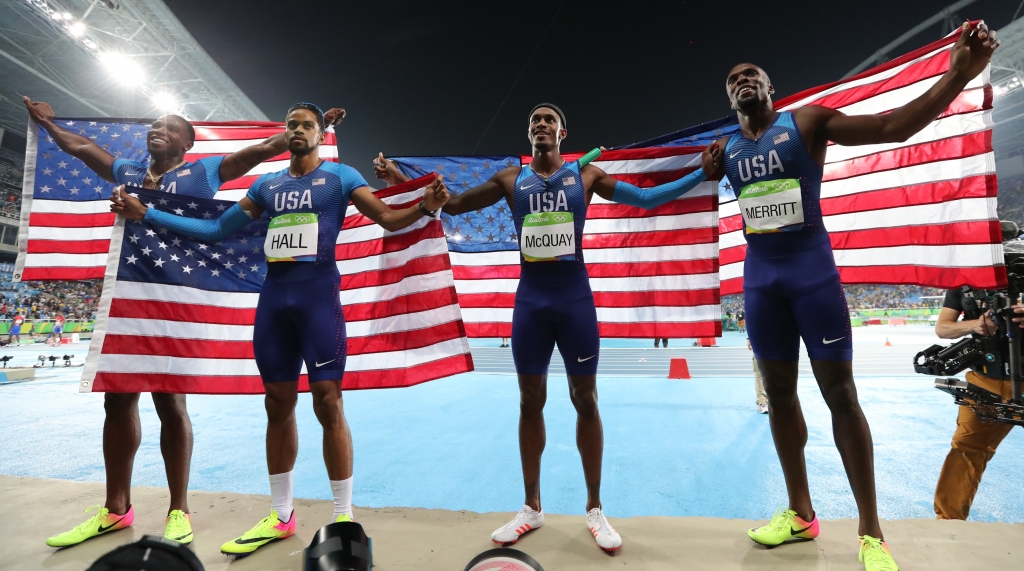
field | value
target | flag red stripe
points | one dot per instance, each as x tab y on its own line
930	67
679	206
421	301
385	342
385	379
414	267
116	344
183	384
990	277
981	186
187	312
62	273
658	238
68	247
488	329
386	245
732	255
953	147
944	234
613	270
52	220
663	329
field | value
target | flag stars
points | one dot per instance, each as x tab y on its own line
215	256
187	270
61	182
254	268
159	263
47	171
74	172
131	259
202	263
202	246
150	205
189	252
74	190
176	242
134	238
230	251
175	258
70	123
179	211
163	202
215	273
193	205
243	259
45	188
62	165
207	215
150	232
146	251
228	265
221	208
98	189
161	245
125	127
86	180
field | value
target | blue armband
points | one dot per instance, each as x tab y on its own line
632	195
207	230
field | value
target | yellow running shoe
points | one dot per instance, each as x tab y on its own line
178	527
268	530
343	517
785	526
874	554
99	524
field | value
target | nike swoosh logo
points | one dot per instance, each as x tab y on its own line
527	187
587	359
826	341
273	186
241	541
734	154
799	531
102	529
183	536
325	362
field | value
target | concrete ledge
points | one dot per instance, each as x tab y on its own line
422	539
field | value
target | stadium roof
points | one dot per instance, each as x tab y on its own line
1008	90
94	58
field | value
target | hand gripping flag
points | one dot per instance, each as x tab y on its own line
177	314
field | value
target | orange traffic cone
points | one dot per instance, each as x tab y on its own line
887	344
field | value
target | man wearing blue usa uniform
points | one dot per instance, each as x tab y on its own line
299	316
554	305
791	284
167	141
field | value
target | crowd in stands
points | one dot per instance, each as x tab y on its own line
10	188
45	300
1011	200
863	297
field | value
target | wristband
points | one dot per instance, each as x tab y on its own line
423	209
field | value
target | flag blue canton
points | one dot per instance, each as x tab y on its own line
487	230
157	255
59	176
697	136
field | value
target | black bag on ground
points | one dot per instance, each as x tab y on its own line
150	553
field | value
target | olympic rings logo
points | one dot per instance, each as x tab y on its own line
302	218
560	217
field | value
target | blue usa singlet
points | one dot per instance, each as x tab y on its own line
554	304
790	281
299	315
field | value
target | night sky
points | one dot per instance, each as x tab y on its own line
426	78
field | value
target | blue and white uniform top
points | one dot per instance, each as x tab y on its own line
549	215
198	178
779	190
306	212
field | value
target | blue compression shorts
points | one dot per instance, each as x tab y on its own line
556	308
16	330
797	296
299	318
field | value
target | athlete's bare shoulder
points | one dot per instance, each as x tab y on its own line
506	178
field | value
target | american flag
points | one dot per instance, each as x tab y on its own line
65	216
918	212
177	314
654	273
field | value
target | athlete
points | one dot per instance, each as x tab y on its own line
168	139
791	283
58	328
298	315
554	305
14	338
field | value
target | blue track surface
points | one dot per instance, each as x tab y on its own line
679	448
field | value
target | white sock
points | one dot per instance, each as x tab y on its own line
342	490
281	495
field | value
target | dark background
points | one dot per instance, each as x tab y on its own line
426	78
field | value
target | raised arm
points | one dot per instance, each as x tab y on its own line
238	163
434	197
967	59
614	190
487	194
231	221
98	160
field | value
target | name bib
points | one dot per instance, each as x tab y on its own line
548	237
772	206
292	238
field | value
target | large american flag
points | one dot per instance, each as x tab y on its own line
65	216
918	212
654	273
177	314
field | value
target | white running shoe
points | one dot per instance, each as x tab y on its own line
603	531
525	520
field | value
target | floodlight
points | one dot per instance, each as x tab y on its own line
89	43
165	101
77	29
123	68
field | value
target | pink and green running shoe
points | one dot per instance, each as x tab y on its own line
785	527
99	524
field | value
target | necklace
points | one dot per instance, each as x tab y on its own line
157	179
545	177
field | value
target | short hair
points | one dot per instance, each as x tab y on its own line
553	107
309	107
188	127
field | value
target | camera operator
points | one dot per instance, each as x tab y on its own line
974	442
